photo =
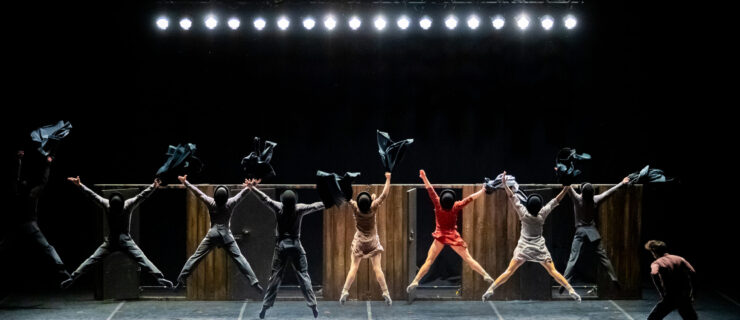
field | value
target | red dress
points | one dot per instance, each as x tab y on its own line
446	231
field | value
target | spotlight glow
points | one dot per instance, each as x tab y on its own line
259	23
330	23
522	21
380	23
234	23
473	22
425	23
163	23
498	22
403	22
547	22
211	22
570	21
283	23
309	23
185	24
451	22
355	23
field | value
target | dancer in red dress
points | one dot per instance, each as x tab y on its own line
446	210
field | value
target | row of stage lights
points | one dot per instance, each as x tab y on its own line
523	21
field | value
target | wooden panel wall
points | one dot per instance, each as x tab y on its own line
339	230
208	281
491	229
619	222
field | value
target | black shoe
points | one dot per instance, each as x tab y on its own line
180	283
164	282
315	310
262	313
69	281
258	287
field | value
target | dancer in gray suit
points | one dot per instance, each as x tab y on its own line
220	208
288	249
118	213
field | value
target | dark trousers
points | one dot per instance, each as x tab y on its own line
211	241
289	255
122	242
684	306
588	240
29	232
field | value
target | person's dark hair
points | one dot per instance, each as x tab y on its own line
289	198
221	195
656	246
447	199
364	201
534	204
115	201
587	191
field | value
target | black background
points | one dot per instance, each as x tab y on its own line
627	86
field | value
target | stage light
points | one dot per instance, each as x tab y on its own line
185	24
283	23
403	22
309	23
355	23
425	23
330	23
451	22
380	23
211	22
570	21
498	22
234	23
473	22
259	23
522	21
163	23
547	22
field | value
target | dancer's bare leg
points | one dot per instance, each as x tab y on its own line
550	267
378	269
513	265
434	251
350	278
465	255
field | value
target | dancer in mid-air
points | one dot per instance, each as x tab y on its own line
118	213
446	210
366	243
585	207
220	208
531	245
288	250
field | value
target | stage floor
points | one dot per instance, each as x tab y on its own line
711	305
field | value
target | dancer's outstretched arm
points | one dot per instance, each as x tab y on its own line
304	209
606	194
386	191
103	202
143	195
202	196
545	211
239	197
275	206
510	194
464	202
430	189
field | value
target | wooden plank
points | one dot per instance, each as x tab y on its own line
191	207
619	221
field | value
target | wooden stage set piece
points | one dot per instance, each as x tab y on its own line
489	226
